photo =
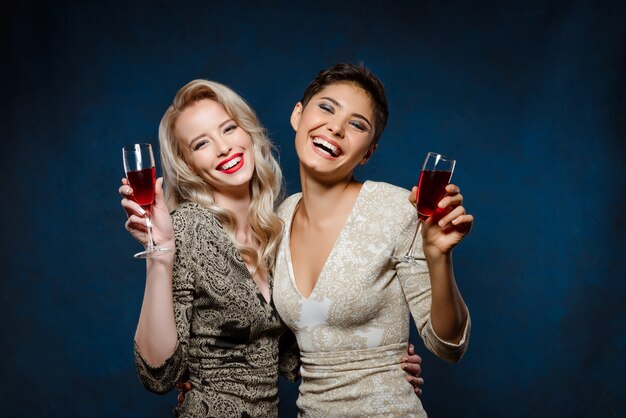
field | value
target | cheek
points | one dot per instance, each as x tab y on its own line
307	123
199	162
252	159
366	142
299	144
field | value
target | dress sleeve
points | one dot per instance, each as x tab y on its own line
289	356
415	282
162	378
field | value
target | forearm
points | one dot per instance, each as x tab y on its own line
156	335
448	312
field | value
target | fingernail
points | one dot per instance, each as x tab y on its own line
405	359
405	366
455	221
129	190
142	211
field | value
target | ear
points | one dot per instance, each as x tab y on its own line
368	154
295	116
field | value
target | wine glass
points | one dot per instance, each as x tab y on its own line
141	174
431	188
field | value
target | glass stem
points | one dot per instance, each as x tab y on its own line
417	231
149	225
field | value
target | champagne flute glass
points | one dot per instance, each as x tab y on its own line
431	188
141	174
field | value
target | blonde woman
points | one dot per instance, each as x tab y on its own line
207	307
207	314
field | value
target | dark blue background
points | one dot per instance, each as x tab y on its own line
529	96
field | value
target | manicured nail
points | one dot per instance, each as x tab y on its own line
142	211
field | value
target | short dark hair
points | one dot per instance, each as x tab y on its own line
360	76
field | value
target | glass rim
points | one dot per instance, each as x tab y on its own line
140	145
441	156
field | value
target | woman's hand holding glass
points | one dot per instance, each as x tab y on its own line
162	228
448	225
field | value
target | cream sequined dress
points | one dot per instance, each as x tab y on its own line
354	327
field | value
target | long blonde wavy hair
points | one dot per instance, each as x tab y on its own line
182	184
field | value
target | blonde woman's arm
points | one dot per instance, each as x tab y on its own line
156	337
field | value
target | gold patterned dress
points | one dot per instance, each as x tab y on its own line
354	327
228	335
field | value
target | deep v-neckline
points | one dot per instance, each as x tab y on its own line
251	280
333	249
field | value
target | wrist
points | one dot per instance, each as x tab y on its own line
168	243
163	259
435	255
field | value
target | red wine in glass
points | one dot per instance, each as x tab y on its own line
141	174
142	183
431	188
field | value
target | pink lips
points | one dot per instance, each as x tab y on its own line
233	168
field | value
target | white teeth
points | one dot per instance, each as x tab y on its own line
333	149
231	163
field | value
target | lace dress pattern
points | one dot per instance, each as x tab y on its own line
353	328
228	335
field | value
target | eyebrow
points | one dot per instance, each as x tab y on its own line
203	134
336	103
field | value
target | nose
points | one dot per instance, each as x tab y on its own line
223	147
335	126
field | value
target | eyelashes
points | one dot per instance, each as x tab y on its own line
328	108
202	143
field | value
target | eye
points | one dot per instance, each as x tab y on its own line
230	128
202	143
326	107
359	125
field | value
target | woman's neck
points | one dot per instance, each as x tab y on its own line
239	206
324	200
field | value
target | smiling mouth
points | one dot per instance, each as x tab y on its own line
327	147
231	165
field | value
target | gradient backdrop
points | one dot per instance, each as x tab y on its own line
529	96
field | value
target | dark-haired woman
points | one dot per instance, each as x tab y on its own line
335	284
